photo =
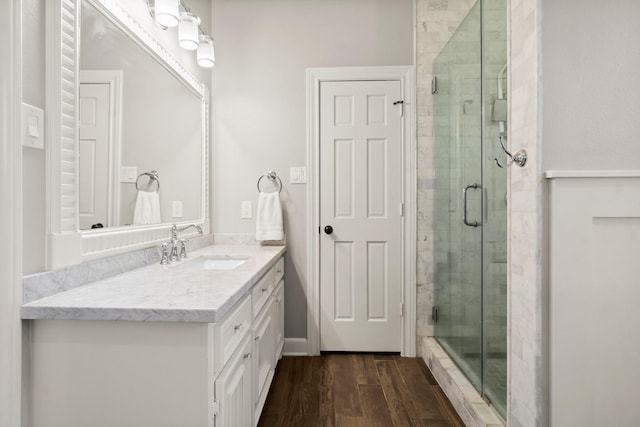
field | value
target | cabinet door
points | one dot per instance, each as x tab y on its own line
233	389
278	316
263	362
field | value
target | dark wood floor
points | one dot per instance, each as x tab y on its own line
356	390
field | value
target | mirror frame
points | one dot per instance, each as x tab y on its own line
66	245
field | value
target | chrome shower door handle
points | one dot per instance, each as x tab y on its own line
465	219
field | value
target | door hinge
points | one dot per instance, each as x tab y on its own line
401	102
434	314
434	85
401	309
215	408
401	209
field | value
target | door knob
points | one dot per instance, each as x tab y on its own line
328	229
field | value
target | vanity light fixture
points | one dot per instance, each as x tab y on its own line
167	12
189	31
206	55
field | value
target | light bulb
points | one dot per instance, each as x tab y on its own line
167	12
188	31
206	57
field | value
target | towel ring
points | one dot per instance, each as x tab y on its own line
271	176
153	176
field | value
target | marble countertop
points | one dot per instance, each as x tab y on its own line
163	293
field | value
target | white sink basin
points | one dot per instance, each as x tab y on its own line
212	263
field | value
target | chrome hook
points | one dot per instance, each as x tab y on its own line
520	158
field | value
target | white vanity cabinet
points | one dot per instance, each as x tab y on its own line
278	316
161	373
278	310
263	361
232	390
233	403
265	331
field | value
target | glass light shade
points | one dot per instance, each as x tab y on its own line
206	56
188	32
167	12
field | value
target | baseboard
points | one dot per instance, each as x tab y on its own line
295	347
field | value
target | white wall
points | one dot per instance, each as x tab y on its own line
591	58
590	120
258	102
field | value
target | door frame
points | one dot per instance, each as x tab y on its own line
406	76
13	358
114	78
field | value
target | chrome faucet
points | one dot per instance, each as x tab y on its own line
175	255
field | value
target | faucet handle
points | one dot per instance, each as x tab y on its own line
183	248
174	252
165	254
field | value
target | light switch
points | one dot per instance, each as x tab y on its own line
128	174
246	209
32	126
298	175
176	209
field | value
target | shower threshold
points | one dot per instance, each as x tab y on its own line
471	407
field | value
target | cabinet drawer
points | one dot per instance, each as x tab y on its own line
262	291
279	269
234	327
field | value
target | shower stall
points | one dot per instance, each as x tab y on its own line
470	204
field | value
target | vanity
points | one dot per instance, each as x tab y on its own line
193	343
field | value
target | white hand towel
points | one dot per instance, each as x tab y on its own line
147	210
269	217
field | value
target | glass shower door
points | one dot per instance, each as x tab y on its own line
458	197
494	228
470	295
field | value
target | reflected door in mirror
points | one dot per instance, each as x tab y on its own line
93	156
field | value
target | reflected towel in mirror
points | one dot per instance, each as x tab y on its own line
269	217
147	210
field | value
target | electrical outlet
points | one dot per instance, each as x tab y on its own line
176	209
246	209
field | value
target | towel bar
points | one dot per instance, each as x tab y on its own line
271	176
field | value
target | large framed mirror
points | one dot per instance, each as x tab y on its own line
128	135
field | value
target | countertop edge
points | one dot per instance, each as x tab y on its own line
196	315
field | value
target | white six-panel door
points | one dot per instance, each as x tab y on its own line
93	171
361	199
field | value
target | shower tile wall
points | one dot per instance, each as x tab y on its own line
437	20
525	230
